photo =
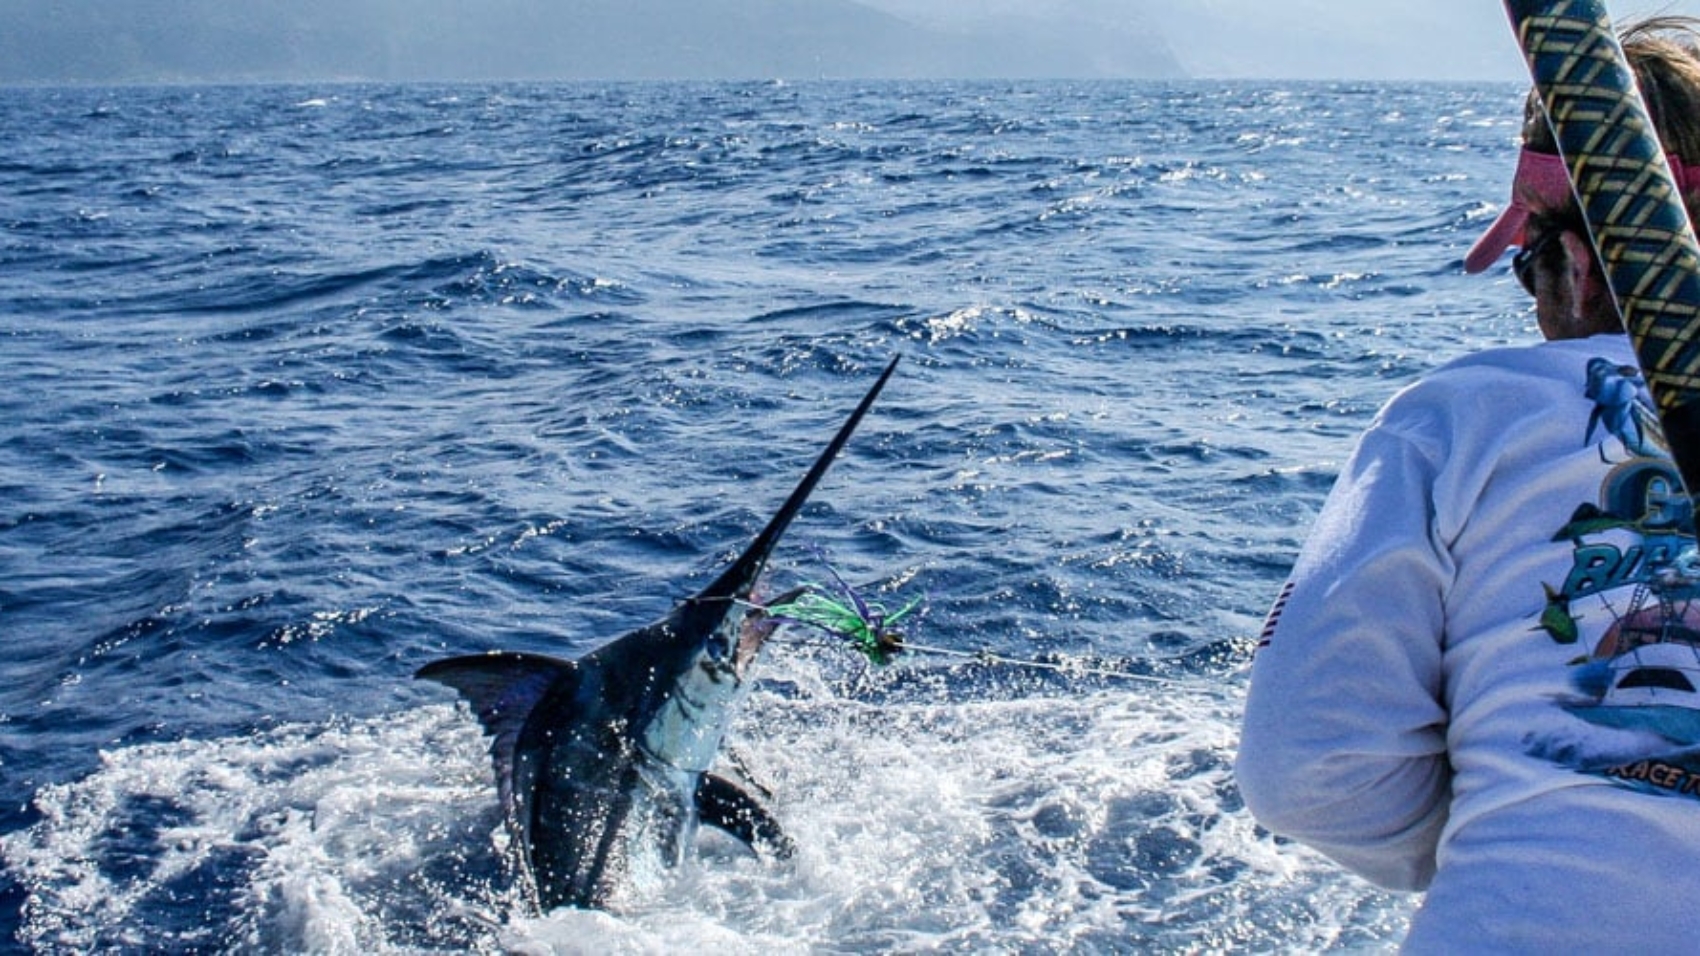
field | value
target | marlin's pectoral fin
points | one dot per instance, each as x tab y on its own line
724	804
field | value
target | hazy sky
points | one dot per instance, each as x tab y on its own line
1312	39
1428	39
48	41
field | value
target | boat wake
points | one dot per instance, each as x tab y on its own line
1018	820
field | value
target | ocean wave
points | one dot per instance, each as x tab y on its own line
309	386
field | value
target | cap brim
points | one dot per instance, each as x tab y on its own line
1506	231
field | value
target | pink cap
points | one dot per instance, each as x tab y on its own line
1540	176
1543	178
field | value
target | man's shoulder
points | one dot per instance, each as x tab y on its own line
1564	364
1497	386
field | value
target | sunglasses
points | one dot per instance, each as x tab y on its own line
1523	263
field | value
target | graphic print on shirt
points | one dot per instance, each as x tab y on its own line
1630	613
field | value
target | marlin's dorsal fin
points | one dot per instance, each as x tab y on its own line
502	690
502	687
724	804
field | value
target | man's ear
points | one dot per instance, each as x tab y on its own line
1586	283
1580	257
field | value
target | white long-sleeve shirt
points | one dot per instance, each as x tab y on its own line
1481	680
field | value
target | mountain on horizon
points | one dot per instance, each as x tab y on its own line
191	41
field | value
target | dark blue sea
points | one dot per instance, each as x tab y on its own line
303	387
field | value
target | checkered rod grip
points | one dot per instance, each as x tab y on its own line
1629	198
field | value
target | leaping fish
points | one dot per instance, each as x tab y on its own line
603	763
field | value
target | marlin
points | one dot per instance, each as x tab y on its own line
603	762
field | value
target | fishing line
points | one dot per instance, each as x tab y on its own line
840	612
982	656
1062	667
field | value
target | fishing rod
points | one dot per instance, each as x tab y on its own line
1630	201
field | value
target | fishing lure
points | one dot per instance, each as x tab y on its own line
840	611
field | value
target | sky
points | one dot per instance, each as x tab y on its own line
95	41
1357	39
1313	39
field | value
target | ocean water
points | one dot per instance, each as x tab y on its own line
304	387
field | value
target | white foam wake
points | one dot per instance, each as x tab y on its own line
1105	821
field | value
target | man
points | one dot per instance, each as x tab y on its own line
1483	677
